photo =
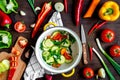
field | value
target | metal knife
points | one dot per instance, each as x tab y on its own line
83	38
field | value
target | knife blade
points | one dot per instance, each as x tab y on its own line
83	38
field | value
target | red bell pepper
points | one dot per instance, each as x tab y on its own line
47	7
11	73
5	20
78	10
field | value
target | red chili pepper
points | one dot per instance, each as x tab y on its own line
91	52
47	7
11	73
78	10
66	5
96	26
5	20
48	77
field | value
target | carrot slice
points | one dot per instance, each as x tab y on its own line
91	9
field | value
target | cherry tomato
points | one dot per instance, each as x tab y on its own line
115	51
88	72
107	35
19	27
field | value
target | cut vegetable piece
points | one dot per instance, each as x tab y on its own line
101	73
48	43
2	67
6	64
59	6
66	43
61	60
5	39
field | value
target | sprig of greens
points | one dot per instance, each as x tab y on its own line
111	77
31	3
114	64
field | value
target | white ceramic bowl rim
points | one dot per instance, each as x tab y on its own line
49	68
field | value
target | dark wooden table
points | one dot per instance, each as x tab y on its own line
69	23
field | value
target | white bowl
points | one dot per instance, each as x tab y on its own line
76	51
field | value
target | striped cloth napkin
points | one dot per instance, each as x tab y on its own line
34	69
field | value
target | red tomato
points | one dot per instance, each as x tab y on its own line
88	72
22	43
115	51
19	27
107	35
57	36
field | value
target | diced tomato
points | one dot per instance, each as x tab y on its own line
22	43
58	37
67	56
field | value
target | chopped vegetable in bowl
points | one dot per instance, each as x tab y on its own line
57	48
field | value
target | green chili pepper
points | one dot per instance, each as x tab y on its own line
9	7
5	39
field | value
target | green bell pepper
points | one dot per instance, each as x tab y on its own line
5	39
9	7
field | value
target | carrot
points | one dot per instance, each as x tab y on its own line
91	9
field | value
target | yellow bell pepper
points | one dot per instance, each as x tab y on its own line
109	11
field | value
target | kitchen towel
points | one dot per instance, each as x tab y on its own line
34	69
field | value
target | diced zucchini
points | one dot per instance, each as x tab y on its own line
50	60
66	43
45	55
54	48
48	43
68	61
61	60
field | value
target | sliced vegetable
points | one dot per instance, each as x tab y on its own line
46	9
91	8
4	65
107	35
59	6
20	27
5	20
114	64
109	11
115	51
88	72
5	39
101	73
78	10
8	6
111	77
48	25
69	74
11	73
22	43
56	48
15	51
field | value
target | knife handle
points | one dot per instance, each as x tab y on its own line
84	54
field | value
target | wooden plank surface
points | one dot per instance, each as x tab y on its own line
69	23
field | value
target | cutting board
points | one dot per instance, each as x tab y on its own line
21	64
